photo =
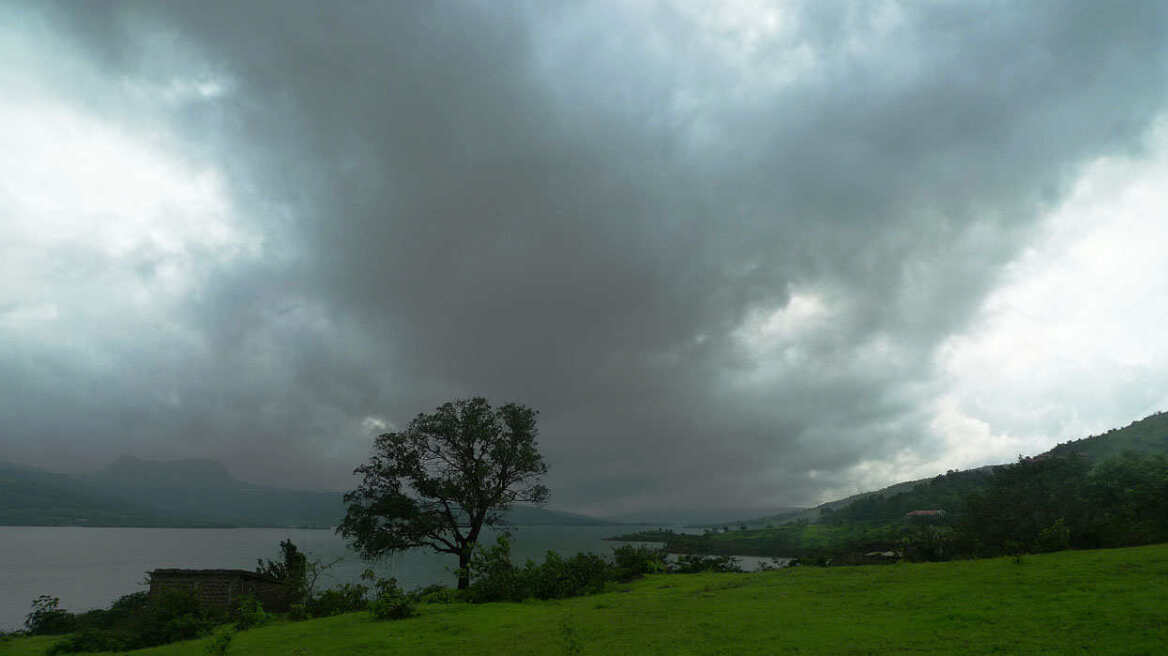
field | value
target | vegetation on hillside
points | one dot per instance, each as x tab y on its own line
1104	491
1082	602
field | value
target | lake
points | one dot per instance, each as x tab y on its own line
90	567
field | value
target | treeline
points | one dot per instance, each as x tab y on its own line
1057	502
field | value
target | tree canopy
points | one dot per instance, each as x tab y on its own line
437	483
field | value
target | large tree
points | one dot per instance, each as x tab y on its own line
437	483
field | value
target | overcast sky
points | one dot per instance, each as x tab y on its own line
737	254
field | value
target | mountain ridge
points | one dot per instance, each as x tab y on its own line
198	493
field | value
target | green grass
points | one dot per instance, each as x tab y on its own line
1086	602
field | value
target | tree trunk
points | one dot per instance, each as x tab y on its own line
464	569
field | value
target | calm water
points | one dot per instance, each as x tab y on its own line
90	567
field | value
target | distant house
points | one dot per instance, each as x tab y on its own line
221	588
924	514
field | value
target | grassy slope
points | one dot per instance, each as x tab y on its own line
1087	602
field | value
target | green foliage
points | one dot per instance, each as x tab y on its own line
1056	502
291	570
48	618
436	594
137	621
1098	602
438	482
219	645
929	543
249	613
634	561
495	578
1038	504
344	598
390	602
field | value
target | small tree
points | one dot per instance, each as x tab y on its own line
437	483
292	571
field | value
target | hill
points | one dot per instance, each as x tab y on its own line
1072	602
1106	490
184	493
32	497
1146	436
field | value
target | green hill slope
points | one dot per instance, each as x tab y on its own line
1084	602
1147	435
944	491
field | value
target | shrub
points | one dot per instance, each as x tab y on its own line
632	562
344	598
493	576
48	618
173	615
1055	537
297	612
89	640
390	602
137	621
557	578
436	594
291	569
249	612
220	644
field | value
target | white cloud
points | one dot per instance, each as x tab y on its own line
1073	340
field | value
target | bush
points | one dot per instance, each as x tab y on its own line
1055	537
436	594
291	570
390	603
136	621
220	644
89	640
249	612
174	615
493	576
48	618
345	598
297	612
557	578
632	562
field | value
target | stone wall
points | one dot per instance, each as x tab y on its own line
221	588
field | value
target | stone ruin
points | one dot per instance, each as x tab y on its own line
221	588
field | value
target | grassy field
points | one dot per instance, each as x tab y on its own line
1086	602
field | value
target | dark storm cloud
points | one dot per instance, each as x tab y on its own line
597	211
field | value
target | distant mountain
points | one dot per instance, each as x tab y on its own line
184	493
31	497
532	516
694	516
168	473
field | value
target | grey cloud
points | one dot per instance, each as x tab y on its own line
578	210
